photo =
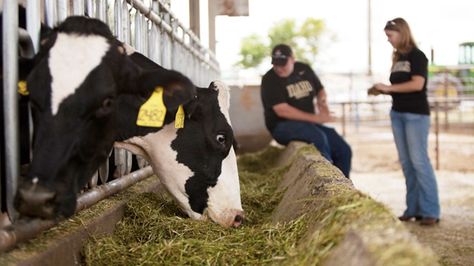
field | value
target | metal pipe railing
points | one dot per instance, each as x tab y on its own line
90	8
33	23
439	107
62	10
50	9
78	7
167	42
10	102
208	58
14	234
154	45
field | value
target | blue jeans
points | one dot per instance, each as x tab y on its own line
410	132
331	145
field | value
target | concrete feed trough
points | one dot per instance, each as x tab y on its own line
300	210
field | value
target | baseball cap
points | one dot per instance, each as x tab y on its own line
280	54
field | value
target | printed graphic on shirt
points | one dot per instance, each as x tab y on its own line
299	90
401	66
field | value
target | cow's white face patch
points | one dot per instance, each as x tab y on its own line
224	198
223	98
71	59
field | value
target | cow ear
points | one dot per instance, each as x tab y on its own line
191	108
177	88
25	66
26	48
128	77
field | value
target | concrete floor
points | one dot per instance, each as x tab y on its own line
376	172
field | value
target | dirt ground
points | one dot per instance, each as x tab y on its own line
376	171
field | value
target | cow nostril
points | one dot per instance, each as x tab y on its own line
36	196
238	220
35	201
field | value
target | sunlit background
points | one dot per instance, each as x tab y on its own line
437	25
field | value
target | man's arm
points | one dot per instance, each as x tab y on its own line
287	111
321	100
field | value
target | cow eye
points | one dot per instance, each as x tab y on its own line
107	103
106	107
221	138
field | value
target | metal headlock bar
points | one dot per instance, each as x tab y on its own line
18	232
10	102
150	27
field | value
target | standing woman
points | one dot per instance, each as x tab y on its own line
410	117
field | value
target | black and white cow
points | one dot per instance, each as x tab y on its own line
79	72
196	163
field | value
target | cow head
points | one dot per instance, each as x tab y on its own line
197	163
78	74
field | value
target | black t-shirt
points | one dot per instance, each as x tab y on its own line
298	90
408	65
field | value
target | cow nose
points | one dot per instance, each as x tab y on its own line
34	200
238	220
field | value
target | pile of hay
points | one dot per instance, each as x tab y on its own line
154	231
305	213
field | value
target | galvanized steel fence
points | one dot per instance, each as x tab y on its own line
149	26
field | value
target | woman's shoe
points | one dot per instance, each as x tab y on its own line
429	221
404	218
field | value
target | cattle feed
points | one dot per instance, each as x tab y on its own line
71	59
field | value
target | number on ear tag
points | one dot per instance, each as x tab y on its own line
152	112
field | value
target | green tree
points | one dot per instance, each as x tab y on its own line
305	41
252	51
311	31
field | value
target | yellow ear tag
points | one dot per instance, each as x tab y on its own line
179	118
152	112
22	89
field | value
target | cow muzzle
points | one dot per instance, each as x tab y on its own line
33	200
238	219
227	218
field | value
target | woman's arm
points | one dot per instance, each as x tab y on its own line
415	84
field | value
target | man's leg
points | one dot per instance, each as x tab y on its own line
287	131
341	152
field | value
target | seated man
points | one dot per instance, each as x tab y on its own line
287	92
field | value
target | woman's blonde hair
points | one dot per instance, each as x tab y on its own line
407	42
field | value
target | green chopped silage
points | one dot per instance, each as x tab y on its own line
154	232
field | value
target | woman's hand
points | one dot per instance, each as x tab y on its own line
383	88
